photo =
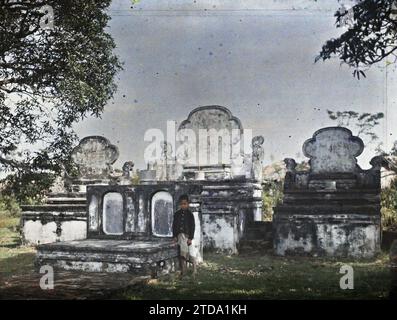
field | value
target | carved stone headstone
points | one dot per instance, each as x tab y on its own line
220	125
94	157
211	142
334	150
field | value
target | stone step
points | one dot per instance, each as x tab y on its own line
261	224
325	201
326	208
251	246
316	192
65	200
54	208
67	195
257	235
259	230
92	255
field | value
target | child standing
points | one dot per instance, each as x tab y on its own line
183	232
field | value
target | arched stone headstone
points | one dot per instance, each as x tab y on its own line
333	150
94	156
223	128
211	145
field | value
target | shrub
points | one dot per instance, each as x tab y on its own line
389	206
9	206
272	196
28	187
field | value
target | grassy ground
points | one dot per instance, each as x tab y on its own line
233	277
270	277
14	258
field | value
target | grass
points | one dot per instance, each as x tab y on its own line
271	277
233	277
14	258
8	222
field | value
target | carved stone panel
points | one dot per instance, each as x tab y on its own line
131	214
333	150
162	214
93	213
211	136
113	223
94	157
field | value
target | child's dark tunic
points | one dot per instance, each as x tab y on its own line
183	223
183	229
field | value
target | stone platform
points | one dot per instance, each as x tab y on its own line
141	257
62	217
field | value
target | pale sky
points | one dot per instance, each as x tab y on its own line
254	57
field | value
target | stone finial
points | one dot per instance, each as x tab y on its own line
378	162
127	169
333	150
257	142
166	150
257	157
290	164
94	156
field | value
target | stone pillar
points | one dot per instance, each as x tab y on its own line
257	158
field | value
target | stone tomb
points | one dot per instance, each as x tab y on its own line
334	208
129	230
63	215
229	174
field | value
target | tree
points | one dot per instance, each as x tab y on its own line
57	66
370	38
364	122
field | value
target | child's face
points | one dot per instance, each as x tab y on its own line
184	204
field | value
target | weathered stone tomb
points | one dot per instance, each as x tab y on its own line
334	208
210	152
129	230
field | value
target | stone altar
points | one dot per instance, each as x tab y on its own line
334	208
